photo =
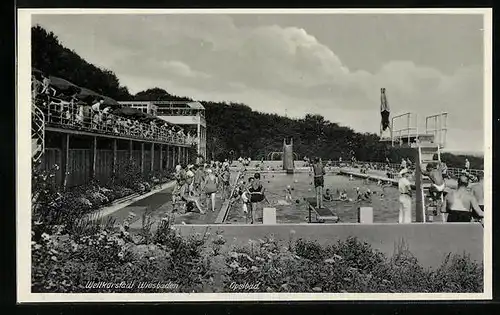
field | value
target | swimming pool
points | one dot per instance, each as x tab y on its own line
385	209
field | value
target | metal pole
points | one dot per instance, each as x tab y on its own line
408	126
392	131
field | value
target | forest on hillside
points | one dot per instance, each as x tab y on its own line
232	128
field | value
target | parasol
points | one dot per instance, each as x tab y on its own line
63	86
108	101
129	112
86	94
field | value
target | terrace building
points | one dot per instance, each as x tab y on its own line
182	113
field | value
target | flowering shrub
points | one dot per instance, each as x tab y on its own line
63	263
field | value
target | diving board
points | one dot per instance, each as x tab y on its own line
321	215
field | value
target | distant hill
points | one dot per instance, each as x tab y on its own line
479	154
233	129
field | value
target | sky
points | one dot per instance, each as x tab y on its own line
293	64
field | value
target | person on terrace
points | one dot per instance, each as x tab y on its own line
97	106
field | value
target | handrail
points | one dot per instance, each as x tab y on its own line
399	132
452	171
440	127
68	115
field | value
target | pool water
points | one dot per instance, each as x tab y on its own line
385	209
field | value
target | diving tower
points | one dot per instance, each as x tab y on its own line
288	162
404	132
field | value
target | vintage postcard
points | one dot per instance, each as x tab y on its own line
254	155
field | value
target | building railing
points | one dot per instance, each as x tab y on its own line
70	116
179	112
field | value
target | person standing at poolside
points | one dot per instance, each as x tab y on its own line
198	178
210	187
319	181
179	188
404	187
190	180
256	191
226	177
459	203
478	191
435	174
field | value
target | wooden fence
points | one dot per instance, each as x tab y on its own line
80	163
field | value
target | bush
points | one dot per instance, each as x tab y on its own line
67	255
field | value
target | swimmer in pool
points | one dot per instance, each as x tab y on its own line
328	195
366	196
288	193
343	196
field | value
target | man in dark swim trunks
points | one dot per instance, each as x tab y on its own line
319	181
385	112
460	203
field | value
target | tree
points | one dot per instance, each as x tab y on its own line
232	127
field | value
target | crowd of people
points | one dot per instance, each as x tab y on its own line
69	109
465	203
196	186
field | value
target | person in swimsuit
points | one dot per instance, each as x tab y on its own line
256	191
245	195
460	203
444	170
343	196
385	112
478	192
190	180
435	174
191	201
319	173
226	177
198	178
288	193
210	187
328	195
179	188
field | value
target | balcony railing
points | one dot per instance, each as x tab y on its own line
70	116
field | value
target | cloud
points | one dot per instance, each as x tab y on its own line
271	68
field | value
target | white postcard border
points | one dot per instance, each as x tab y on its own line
23	168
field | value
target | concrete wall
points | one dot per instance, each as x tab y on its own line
429	242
